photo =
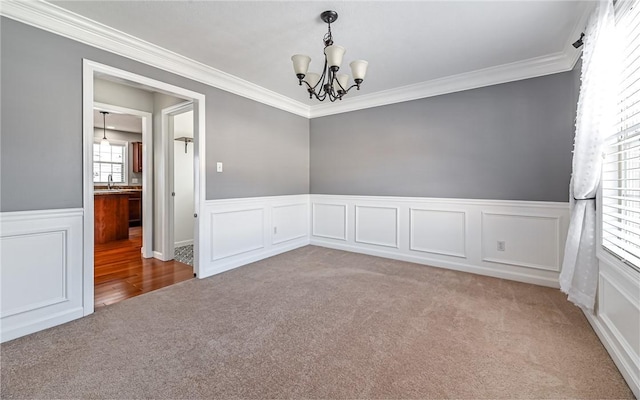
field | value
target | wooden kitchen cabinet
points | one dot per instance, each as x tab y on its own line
137	156
135	208
111	211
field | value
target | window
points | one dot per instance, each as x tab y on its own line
110	160
621	168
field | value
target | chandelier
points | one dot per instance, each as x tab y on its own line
330	84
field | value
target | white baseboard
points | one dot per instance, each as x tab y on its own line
183	243
160	256
248	259
433	262
42	323
628	371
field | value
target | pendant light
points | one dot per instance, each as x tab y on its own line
104	141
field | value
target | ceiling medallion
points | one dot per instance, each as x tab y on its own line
330	84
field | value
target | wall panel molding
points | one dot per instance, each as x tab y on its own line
377	225
537	246
450	233
329	220
50	260
290	222
241	231
236	232
616	319
46	244
437	235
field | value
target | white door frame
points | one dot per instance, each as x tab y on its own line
147	171
89	69
168	235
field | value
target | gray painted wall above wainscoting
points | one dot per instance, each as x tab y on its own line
264	150
510	142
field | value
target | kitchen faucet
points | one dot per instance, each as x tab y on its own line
110	182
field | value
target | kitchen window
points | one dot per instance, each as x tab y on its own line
110	159
621	168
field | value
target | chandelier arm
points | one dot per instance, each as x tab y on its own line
351	87
343	89
321	96
306	83
321	82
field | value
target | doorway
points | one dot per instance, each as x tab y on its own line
156	179
178	129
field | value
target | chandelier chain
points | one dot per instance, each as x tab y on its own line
328	37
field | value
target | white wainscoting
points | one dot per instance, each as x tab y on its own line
449	240
530	240
377	225
617	317
241	231
457	234
41	270
329	221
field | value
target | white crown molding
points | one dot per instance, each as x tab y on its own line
531	68
62	22
555	63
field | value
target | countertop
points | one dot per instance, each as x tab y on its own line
102	192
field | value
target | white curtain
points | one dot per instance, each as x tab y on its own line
579	276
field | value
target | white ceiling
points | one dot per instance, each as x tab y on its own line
405	42
118	122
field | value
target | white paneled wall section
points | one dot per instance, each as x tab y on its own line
616	319
241	231
41	274
518	240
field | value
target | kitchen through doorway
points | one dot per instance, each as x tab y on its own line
148	264
125	263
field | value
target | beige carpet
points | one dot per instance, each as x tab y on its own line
321	323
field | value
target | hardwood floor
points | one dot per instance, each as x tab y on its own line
122	273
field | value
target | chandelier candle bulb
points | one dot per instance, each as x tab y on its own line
300	64
334	56
343	80
358	70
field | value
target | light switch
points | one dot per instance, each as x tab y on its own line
219	167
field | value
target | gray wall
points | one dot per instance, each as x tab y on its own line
113	93
511	142
41	129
